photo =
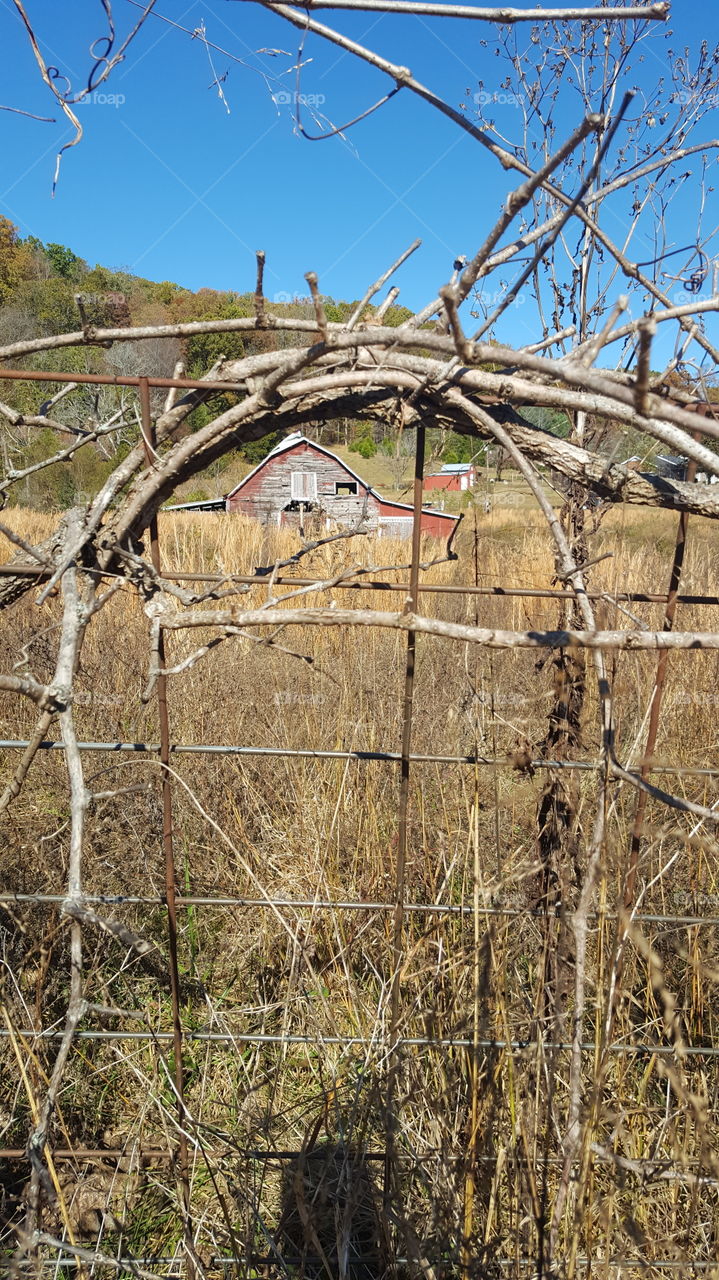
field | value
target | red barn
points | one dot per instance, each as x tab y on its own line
455	476
301	482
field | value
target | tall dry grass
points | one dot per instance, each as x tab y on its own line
324	831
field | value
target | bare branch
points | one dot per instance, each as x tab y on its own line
311	278
30	114
634	641
658	12
359	310
646	333
43	695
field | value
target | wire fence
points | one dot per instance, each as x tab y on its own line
463	1058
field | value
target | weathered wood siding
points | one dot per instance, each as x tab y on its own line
266	494
395	520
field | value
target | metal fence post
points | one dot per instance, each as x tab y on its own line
183	1174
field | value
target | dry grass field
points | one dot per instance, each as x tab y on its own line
287	1007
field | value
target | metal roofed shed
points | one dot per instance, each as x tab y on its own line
453	477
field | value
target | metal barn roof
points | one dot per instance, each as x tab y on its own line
204	504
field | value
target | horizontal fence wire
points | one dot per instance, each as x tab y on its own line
592	1265
367	1042
39	574
69	1256
658	1169
387	757
328	904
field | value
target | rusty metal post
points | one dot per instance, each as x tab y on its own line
657	696
405	749
402	830
183	1176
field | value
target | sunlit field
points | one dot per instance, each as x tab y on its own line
291	971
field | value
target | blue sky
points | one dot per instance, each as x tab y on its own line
169	185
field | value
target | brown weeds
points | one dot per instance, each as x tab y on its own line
287	994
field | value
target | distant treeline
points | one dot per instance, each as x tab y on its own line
48	289
39	289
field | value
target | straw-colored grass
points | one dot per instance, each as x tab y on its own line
325	830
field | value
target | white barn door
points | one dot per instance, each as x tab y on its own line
303	486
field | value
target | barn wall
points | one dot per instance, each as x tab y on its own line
269	491
396	521
437	526
455	481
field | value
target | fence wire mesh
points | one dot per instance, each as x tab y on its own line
333	1030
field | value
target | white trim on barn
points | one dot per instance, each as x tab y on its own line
203	504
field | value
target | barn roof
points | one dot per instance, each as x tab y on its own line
290	442
203	504
296	438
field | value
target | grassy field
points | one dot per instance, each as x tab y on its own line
298	996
